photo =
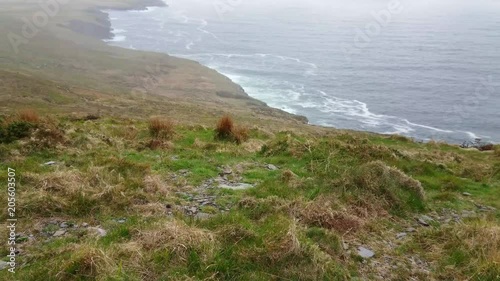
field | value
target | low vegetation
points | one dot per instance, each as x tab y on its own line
226	130
134	211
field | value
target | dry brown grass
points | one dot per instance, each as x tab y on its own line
48	135
28	115
161	128
85	260
224	128
179	239
284	246
320	213
159	144
240	134
154	184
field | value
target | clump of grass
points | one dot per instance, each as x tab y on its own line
178	239
161	128
154	184
159	144
240	134
47	135
464	251
497	150
226	130
85	260
394	188
320	213
28	115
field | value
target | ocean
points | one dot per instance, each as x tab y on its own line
424	69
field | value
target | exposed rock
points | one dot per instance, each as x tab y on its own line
236	186
4	265
401	235
59	233
466	194
191	210
365	253
50	163
63	225
424	220
468	214
226	171
410	229
85	224
97	230
485	208
271	167
183	172
202	216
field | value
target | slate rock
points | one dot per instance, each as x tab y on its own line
59	233
365	252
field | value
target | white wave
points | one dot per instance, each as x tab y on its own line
118	30
116	38
427	127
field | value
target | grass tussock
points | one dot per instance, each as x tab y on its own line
48	135
161	128
321	214
179	240
85	260
391	185
226	130
28	115
497	150
468	251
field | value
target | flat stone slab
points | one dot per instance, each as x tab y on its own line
365	253
59	233
236	186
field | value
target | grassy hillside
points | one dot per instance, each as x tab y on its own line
121	175
126	199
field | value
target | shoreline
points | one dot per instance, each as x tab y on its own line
109	35
106	36
103	30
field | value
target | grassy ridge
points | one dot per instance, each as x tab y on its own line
325	195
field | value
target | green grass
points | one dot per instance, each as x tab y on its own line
346	188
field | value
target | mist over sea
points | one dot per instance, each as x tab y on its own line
429	70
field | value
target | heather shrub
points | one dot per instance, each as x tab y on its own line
16	130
